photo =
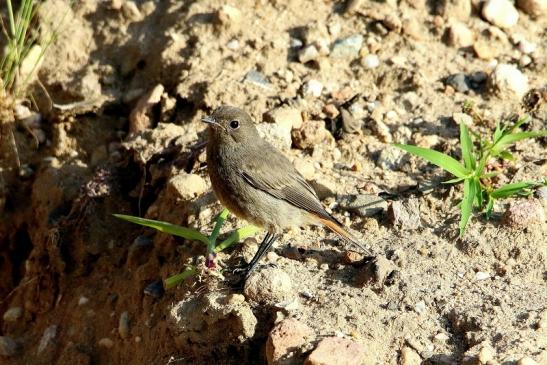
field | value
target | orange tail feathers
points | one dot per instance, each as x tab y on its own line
343	233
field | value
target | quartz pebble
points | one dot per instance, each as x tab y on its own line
501	13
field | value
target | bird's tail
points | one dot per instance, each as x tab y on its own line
339	229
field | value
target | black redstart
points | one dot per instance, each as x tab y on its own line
258	183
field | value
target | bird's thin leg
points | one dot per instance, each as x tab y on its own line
264	247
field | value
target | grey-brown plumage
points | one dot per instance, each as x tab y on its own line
258	183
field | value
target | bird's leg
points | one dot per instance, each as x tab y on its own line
264	247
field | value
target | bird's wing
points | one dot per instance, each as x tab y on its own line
276	176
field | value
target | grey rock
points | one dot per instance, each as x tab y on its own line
459	82
364	205
13	314
405	215
347	48
123	325
258	79
391	158
49	335
269	286
155	289
349	123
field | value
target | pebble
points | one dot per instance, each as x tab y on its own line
123	325
269	286
481	275
404	214
286	337
527	361
277	134
186	186
347	48
485	50
229	15
462	118
308	53
420	307
541	193
310	134
155	289
287	116
456	9
49	334
508	79
459	35
524	213
441	337
370	61
486	354
390	158
8	347
106	343
364	205
249	248
375	272
526	47
312	88
304	167
409	357
525	61
258	79
535	8
392	22
459	82
83	300
413	29
13	314
501	13
349	123
233	45
338	351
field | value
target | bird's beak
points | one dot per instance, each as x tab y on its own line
209	120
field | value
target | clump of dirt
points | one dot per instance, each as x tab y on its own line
332	85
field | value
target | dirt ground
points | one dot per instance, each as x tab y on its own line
78	286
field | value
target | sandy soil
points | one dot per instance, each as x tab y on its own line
75	281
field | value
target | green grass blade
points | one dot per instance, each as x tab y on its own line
509	139
489	206
453	181
524	120
221	218
467	204
175	280
512	189
467	147
237	235
184	232
11	18
437	158
479	200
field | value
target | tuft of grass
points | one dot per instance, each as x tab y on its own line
195	235
478	188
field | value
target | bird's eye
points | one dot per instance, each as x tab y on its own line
234	124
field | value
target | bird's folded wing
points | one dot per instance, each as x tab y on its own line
281	180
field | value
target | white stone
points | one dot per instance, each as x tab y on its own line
459	35
508	78
481	275
370	61
501	13
526	47
420	307
312	88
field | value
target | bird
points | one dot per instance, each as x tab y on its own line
259	184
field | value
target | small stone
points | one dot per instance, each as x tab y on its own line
155	289
382	131
83	300
8	347
441	337
352	257
425	141
347	48
258	79
485	50
525	61
486	354
305	167
106	343
459	35
390	158
481	275
277	134
229	16
535	8
375	272
330	111
370	61
249	249
349	123
413	29
409	357
233	45
364	205
392	22
131	11
420	307
405	215
527	361
524	213
290	117
501	13
49	334
455	9
459	82
508	79
123	325
13	314
526	47
338	351
462	118
284	341
308	53
312	88
316	34
310	134
269	286
186	186
541	193
295	43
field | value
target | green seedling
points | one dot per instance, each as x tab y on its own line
195	235
478	189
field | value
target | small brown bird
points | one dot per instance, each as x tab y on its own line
258	183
